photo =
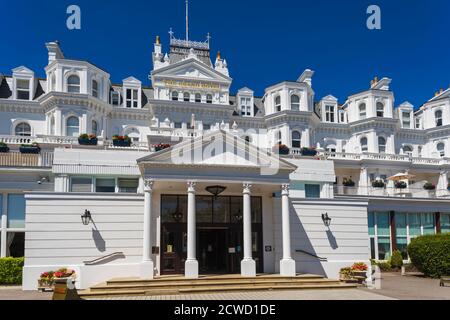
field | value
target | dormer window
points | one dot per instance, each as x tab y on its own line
23	89
380	110
406	119
198	98
438	118
246	108
295	103
115	98
73	84
329	113
95	88
362	111
132	98
186	97
278	104
209	98
175	96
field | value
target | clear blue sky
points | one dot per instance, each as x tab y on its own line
264	41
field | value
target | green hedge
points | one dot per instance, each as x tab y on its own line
431	255
11	271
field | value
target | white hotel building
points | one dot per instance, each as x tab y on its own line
151	211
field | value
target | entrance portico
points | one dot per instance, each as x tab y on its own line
241	174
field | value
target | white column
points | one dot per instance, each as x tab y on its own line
287	264
147	262
442	187
248	265
191	265
3	226
363	187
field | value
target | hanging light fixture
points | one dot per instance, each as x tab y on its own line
177	215
326	220
216	190
86	218
238	216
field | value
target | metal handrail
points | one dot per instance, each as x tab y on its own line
312	255
93	262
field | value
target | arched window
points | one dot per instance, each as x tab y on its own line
380	109
95	88
364	145
362	111
94	127
186	97
209	98
23	129
175	96
278	104
296	139
247	139
73	127
278	137
198	97
438	117
53	83
331	148
441	149
295	102
408	150
73	84
381	145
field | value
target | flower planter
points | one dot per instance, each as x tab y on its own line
308	152
87	142
157	149
360	276
121	143
283	152
4	149
30	150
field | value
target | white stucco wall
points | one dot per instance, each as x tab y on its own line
344	243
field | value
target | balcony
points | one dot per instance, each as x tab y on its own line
386	158
410	192
17	159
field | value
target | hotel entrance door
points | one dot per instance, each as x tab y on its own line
219	238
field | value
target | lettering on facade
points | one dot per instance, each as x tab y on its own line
191	85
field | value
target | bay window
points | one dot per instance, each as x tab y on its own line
362	111
105	185
73	127
95	88
295	102
23	129
73	84
438	118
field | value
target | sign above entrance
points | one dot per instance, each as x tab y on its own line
191	84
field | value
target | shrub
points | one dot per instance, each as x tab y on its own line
431	254
378	184
429	186
11	271
396	260
401	185
348	182
384	266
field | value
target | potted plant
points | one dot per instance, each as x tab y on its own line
429	186
348	182
309	152
378	184
87	139
359	271
401	185
30	148
46	280
281	149
161	146
345	275
121	141
3	147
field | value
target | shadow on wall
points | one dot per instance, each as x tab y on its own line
99	241
300	241
332	239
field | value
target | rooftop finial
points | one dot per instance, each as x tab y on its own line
158	40
219	55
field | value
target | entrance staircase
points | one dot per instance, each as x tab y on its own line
177	285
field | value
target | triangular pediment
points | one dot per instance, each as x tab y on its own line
219	149
22	70
191	69
131	80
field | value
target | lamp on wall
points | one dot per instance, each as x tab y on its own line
238	216
177	215
326	220
86	218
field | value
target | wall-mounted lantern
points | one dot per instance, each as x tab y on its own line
86	218
326	220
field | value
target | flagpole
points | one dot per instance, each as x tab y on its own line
187	21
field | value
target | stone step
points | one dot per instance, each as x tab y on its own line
212	289
191	284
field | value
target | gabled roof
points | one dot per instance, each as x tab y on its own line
193	63
232	152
